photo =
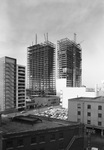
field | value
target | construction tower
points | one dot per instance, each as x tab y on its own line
69	62
41	69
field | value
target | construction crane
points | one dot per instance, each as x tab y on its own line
80	42
46	37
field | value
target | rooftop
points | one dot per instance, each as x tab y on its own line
48	43
99	99
69	42
46	96
31	123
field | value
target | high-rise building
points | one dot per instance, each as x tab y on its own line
41	69
9	84
21	87
69	62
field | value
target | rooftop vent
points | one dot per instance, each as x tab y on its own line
29	119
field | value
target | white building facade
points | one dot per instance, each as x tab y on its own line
88	111
21	87
9	84
66	93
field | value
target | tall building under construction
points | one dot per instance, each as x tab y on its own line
69	62
41	68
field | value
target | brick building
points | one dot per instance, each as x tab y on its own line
40	133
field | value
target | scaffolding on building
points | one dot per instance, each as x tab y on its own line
69	62
41	68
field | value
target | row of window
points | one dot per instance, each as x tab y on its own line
89	106
99	115
89	114
99	122
20	142
99	107
42	138
9	144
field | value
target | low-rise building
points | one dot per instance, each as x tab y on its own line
46	101
40	133
66	93
89	111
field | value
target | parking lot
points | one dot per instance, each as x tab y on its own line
52	112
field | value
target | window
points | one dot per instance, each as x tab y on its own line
52	136
99	115
9	144
61	146
99	107
33	140
42	139
42	148
61	136
99	123
88	106
79	113
88	121
78	105
88	114
78	120
20	142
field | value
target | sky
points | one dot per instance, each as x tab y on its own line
21	20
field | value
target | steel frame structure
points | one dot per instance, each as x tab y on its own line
69	62
41	69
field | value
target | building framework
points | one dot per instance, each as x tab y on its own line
41	68
69	62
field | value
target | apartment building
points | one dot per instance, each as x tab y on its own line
41	69
21	90
7	83
40	133
89	111
69	62
11	81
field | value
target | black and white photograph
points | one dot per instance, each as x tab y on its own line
51	75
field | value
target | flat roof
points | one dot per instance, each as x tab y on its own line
10	126
48	43
88	99
47	96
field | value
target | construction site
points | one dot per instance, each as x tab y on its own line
69	62
41	69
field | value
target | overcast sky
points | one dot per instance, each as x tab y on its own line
20	20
